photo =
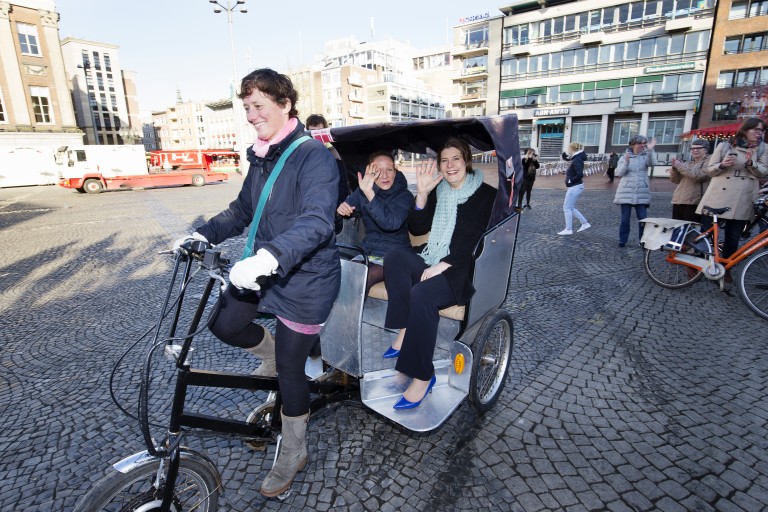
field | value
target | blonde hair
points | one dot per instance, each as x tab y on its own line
575	146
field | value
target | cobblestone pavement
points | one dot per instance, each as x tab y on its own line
622	395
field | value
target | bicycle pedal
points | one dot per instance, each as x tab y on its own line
283	496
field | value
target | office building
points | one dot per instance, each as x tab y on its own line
594	72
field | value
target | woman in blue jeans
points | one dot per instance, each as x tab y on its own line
574	181
634	189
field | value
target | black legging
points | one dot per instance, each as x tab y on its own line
525	189
733	231
232	323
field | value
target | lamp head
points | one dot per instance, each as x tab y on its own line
217	11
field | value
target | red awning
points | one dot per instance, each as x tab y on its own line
726	130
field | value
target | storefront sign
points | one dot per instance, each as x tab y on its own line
475	17
541	112
669	67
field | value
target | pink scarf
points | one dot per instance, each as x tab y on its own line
260	147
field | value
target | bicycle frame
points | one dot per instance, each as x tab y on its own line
743	252
187	377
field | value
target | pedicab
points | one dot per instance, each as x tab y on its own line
472	355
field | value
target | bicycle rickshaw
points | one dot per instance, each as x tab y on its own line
472	356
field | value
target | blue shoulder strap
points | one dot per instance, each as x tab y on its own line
248	251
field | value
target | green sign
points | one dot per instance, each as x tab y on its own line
683	66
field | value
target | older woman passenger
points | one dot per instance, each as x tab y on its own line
454	208
691	181
384	201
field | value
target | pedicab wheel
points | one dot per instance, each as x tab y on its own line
491	353
669	274
261	415
753	284
93	186
197	489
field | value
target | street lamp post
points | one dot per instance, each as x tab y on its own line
85	67
230	8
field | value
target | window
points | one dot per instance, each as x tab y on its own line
666	131
524	136
117	123
41	104
100	81
107	62
746	77
28	39
96	61
726	111
623	130
107	122
732	45
113	98
586	133
725	79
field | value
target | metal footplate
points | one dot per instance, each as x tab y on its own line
381	389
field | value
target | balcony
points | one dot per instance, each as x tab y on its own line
473	72
678	25
591	38
469	98
470	50
355	80
355	97
355	114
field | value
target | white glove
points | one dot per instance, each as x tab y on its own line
193	236
245	272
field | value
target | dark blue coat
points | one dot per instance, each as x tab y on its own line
385	217
296	228
574	175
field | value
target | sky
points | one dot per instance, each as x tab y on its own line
183	44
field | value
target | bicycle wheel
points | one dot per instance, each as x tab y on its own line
197	488
753	284
491	354
667	273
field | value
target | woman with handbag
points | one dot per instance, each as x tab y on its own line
531	167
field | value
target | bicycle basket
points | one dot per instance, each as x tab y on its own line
667	234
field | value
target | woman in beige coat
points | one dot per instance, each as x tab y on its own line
735	167
691	181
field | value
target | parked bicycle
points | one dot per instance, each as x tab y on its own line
678	254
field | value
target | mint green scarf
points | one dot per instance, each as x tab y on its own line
444	220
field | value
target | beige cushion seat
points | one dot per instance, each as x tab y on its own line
379	291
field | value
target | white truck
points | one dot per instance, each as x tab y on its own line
91	169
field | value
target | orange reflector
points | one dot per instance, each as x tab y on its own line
458	363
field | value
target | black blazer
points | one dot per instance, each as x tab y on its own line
471	222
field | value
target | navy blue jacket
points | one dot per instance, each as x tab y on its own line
385	217
296	228
575	173
472	219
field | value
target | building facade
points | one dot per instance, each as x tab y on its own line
197	125
98	91
736	85
35	104
593	72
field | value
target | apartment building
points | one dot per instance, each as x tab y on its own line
98	92
736	85
35	103
197	125
595	72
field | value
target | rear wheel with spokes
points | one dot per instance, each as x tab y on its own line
662	268
753	284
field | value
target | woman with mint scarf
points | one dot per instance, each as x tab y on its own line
454	208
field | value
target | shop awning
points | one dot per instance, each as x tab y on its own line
554	120
726	130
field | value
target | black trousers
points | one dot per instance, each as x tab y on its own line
686	212
525	189
414	305
232	323
733	231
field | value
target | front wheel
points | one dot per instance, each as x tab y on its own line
664	271
93	186
491	354
753	284
197	488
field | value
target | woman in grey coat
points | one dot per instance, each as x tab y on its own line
634	188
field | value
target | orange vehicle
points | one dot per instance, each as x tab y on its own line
212	160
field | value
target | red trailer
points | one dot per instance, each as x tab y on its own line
213	160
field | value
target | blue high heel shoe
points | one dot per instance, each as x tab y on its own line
391	353
406	404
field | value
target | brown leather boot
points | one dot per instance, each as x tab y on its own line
291	456
266	352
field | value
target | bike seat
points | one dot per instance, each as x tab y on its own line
714	211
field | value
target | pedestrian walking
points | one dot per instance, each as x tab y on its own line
613	161
574	181
634	190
